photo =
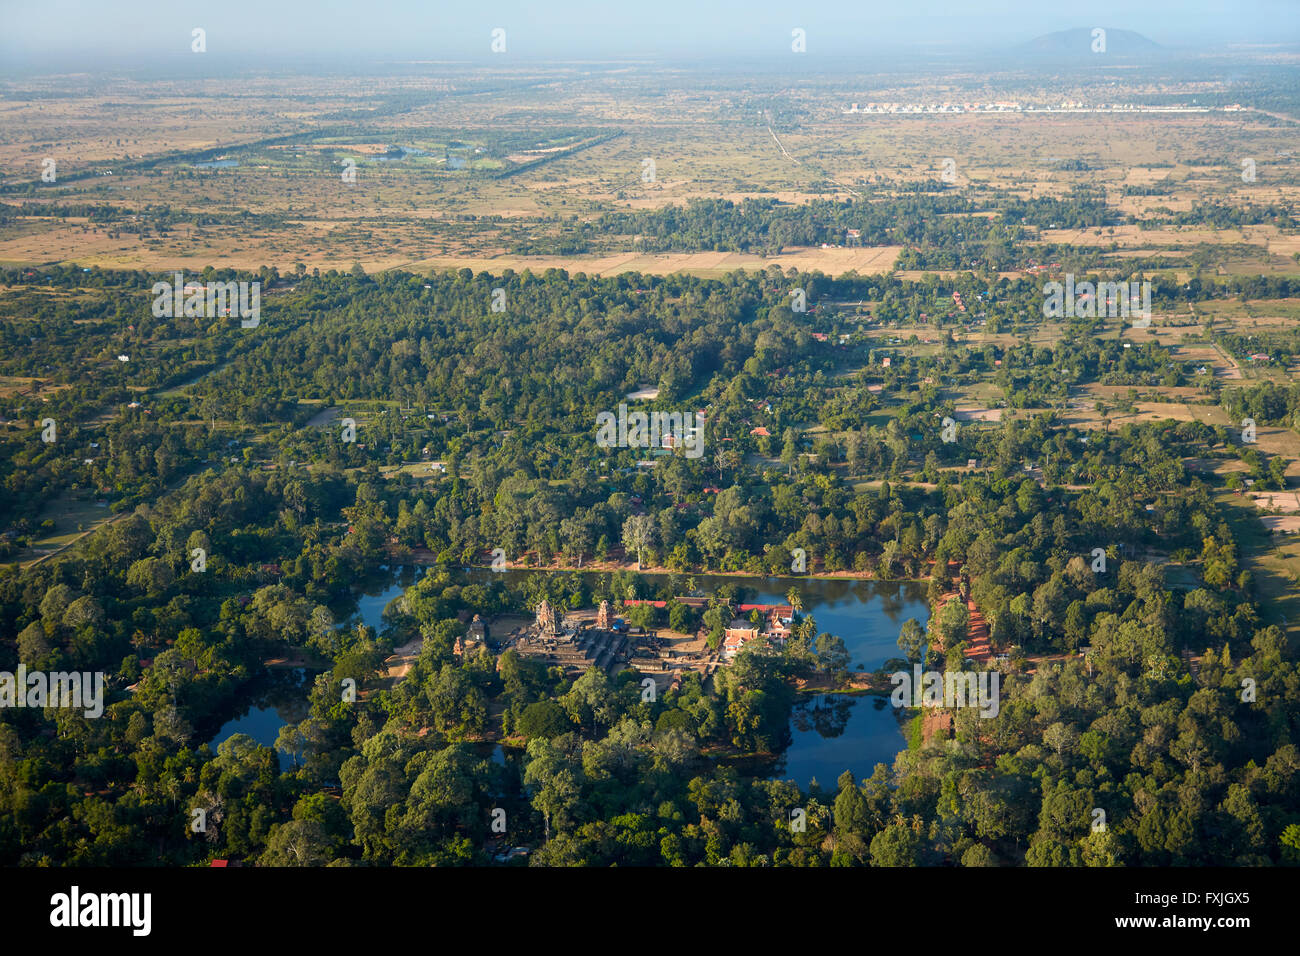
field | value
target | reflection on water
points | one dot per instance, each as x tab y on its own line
405	151
829	733
867	615
376	596
832	733
282	699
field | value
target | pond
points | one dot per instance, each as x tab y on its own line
831	733
406	151
283	699
867	615
377	595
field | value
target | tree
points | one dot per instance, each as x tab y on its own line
977	855
896	845
297	843
33	644
590	702
576	535
169	723
84	610
679	617
852	819
556	780
887	557
56	601
1061	738
150	576
951	624
638	534
789	449
1290	843
832	656
913	641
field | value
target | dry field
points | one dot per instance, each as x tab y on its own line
974	414
865	261
421	212
1287	502
1082	413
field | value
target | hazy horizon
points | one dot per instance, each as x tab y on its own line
74	34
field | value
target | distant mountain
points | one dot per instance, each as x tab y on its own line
1080	42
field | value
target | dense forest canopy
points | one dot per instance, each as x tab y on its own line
223	442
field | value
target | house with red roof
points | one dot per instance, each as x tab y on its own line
777	627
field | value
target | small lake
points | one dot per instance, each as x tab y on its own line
377	595
867	615
832	733
282	700
217	164
406	151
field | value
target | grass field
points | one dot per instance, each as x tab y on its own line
74	514
1273	560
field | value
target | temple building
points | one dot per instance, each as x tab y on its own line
478	630
546	622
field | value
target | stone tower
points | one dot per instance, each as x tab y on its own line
546	619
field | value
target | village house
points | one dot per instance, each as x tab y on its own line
776	627
735	636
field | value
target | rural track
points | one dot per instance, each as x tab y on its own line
781	146
786	153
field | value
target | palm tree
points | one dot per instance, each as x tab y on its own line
793	599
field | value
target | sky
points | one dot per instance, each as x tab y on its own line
63	34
